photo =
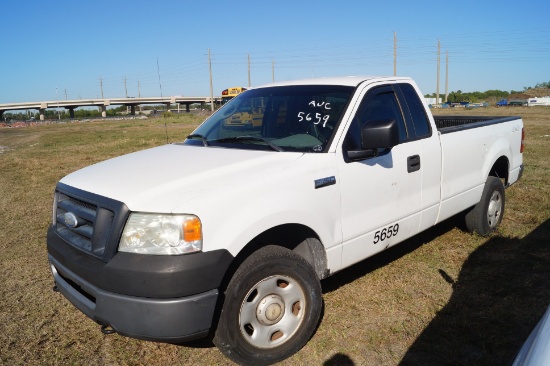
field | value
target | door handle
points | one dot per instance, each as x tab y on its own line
413	163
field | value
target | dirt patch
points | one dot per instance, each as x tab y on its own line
531	93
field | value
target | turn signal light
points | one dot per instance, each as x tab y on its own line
192	230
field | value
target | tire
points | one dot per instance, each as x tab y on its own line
271	309
486	215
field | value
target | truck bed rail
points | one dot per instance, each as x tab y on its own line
446	124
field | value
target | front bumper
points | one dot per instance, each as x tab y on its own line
168	320
167	298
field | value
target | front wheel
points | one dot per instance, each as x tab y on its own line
272	306
487	214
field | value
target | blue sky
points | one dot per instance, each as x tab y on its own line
71	45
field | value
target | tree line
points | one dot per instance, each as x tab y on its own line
490	96
52	114
62	113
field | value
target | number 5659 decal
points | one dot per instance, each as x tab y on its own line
386	233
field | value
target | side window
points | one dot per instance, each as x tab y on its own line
418	113
379	104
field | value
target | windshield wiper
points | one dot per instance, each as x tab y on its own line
196	135
250	138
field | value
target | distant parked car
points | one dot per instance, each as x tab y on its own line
536	349
502	103
518	102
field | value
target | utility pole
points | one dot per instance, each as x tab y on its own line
126	93
139	96
438	61
446	75
394	54
273	70
160	86
211	87
101	86
57	97
249	70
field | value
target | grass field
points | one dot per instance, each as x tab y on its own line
443	297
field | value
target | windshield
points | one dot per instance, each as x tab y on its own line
286	118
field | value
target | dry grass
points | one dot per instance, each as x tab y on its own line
443	297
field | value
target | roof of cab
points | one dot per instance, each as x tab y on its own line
336	80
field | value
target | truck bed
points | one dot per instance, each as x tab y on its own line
469	152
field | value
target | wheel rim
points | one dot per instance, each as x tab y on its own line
494	210
272	311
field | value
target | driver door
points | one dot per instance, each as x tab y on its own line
381	196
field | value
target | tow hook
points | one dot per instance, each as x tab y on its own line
55	289
107	329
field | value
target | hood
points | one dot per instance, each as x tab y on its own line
162	178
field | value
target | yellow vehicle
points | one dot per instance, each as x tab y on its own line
245	115
246	119
231	93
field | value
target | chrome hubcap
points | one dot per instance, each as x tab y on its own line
272	311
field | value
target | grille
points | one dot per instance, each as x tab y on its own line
84	225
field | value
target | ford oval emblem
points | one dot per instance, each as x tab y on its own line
70	219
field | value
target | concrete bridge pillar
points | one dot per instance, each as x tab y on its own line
71	112
168	105
132	110
106	103
186	107
42	110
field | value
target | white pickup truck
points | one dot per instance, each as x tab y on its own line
229	232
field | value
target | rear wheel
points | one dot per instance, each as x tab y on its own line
486	215
272	306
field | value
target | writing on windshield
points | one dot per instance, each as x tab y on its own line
293	118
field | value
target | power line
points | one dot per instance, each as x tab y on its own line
495	47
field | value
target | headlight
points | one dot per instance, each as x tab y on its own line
146	233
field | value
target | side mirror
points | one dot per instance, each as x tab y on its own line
377	134
380	134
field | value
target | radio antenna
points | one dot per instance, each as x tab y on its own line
161	98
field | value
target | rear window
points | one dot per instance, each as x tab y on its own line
418	113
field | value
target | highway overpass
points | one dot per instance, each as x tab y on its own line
71	105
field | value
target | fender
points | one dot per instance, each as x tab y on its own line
235	214
498	149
